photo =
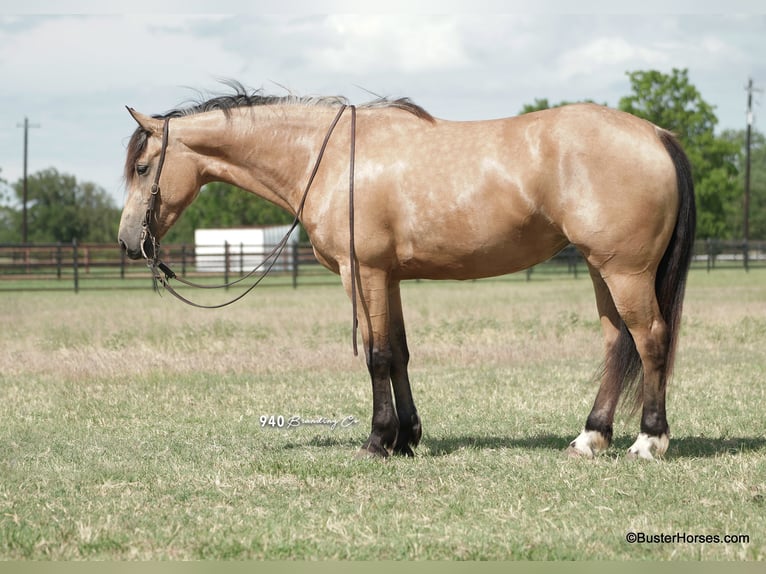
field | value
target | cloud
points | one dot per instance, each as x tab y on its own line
608	54
72	54
73	74
400	43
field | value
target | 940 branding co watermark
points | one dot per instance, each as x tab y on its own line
295	421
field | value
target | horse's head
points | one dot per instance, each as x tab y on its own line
162	179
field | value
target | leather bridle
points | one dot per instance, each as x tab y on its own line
146	225
162	273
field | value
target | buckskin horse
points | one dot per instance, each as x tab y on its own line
386	193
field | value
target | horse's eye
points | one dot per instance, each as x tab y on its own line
142	169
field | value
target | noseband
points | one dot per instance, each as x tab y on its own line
162	273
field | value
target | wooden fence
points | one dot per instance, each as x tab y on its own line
76	267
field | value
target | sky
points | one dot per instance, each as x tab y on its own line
72	74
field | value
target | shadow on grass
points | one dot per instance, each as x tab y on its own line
680	447
700	447
328	441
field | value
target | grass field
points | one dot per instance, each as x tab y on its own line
134	427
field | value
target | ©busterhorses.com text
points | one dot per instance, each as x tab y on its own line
685	538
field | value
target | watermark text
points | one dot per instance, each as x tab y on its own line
295	421
685	538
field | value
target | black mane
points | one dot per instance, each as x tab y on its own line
243	98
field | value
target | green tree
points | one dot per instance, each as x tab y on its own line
224	205
61	209
757	184
7	214
672	102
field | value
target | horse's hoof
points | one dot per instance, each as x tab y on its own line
372	452
404	450
588	444
648	447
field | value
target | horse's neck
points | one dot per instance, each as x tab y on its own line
264	150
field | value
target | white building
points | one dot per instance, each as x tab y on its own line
245	247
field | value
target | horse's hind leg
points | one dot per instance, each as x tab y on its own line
597	434
409	421
635	299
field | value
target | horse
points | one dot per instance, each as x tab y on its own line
386	193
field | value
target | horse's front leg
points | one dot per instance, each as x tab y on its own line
410	429
373	315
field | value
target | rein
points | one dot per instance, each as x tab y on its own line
162	273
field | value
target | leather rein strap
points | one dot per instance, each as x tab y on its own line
162	273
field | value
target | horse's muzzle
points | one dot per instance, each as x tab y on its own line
137	252
132	253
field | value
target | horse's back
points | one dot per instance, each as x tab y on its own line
475	199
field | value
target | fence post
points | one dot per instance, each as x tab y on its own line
226	264
573	256
713	249
746	256
241	258
58	260
75	267
183	260
295	265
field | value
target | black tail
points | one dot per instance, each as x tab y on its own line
670	283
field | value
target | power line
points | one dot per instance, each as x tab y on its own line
26	125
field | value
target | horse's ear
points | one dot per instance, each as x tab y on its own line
151	125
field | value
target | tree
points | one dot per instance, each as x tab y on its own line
61	209
224	205
672	102
757	184
7	216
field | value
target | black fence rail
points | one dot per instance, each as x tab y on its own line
719	254
75	267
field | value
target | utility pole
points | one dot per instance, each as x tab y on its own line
26	125
746	226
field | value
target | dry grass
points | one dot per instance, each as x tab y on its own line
105	334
